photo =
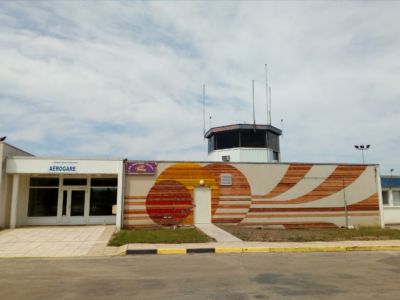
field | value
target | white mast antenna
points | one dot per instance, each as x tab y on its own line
266	94
254	112
204	111
270	105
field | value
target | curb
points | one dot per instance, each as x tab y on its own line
166	251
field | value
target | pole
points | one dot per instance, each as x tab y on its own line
270	105
266	93
254	112
204	111
346	214
362	151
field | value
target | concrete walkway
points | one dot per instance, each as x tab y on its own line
56	241
217	233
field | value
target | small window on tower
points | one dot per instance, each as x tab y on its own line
276	156
226	179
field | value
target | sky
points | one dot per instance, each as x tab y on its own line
124	78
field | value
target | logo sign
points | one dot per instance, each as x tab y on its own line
141	168
62	167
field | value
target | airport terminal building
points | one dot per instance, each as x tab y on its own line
131	194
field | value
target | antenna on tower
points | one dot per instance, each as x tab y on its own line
266	94
254	112
269	112
204	111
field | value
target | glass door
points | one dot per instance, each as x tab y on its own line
74	206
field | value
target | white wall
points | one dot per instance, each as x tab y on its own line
6	150
243	155
391	213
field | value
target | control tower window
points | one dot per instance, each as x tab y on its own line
253	139
226	140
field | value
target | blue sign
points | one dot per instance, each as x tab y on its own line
63	167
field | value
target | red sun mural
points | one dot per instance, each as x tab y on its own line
170	200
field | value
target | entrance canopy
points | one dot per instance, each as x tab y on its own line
65	191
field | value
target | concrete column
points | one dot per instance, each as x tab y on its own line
120	195
390	197
14	200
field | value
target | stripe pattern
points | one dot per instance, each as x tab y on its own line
170	200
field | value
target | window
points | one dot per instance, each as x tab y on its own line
109	182
253	139
74	181
273	141
43	197
385	197
103	195
275	156
102	200
44	181
43	202
396	198
227	140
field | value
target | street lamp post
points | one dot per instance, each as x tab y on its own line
362	148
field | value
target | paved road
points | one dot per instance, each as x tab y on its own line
361	275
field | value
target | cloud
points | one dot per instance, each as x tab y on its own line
124	79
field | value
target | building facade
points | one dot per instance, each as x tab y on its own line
285	195
59	191
391	199
133	194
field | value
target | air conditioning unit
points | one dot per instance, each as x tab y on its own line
226	158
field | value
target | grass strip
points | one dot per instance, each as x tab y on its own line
159	236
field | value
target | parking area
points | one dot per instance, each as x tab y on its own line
55	241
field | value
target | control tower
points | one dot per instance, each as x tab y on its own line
244	143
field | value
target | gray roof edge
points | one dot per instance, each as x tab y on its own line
230	127
252	163
16	148
65	158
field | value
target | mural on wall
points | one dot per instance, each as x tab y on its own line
170	199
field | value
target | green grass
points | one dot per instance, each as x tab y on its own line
312	234
159	235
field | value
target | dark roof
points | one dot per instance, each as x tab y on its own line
387	181
270	128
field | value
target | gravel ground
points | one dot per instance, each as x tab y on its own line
314	234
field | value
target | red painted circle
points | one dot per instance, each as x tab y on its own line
169	202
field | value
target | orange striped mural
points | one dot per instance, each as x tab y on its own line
297	199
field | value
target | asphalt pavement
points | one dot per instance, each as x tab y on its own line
346	275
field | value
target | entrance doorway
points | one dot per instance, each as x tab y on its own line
202	205
75	206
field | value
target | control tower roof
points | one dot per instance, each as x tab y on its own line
261	127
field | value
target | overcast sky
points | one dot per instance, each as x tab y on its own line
124	79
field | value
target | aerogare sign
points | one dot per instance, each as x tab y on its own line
63	167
